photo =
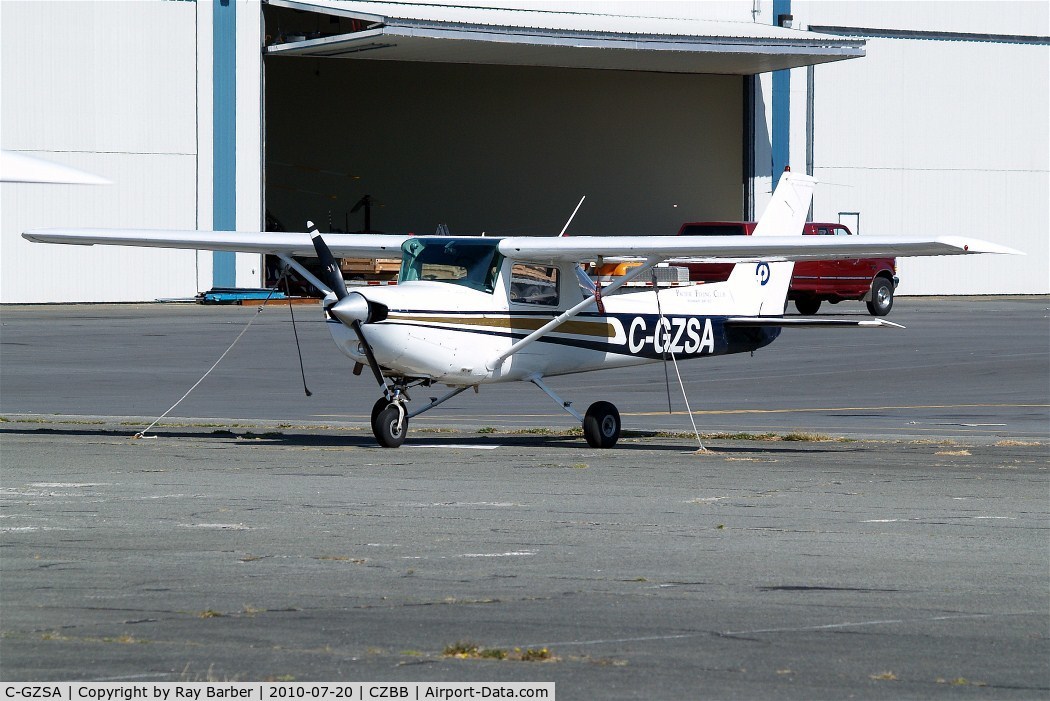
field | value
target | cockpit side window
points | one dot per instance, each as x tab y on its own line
534	284
468	262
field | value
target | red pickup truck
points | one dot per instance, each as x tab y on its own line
870	279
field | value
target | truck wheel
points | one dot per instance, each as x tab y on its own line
807	305
881	301
601	425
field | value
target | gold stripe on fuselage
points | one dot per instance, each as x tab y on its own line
576	327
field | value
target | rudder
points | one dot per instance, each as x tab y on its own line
763	285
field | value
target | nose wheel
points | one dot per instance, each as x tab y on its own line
389	423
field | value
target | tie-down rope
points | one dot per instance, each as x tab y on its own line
142	434
674	362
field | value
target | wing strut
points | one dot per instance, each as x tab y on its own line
307	275
565	316
567	406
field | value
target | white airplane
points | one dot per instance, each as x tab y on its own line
472	311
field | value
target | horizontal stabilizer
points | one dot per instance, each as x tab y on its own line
811	323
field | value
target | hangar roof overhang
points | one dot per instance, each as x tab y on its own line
456	34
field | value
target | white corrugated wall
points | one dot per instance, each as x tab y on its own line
108	87
921	136
932	136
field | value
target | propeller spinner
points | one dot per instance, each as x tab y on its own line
350	308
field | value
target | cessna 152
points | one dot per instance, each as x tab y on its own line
470	311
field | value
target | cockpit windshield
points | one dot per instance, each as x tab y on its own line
473	263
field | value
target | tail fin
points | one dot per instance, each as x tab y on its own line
764	285
787	211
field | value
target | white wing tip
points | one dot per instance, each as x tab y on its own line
968	245
16	167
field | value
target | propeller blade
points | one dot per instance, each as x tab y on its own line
353	310
332	276
350	309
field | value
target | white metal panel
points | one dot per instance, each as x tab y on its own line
1008	208
108	87
250	144
722	10
717	10
148	190
1004	200
973	16
574	17
580	39
936	104
946	137
98	76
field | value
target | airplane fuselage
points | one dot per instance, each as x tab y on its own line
457	343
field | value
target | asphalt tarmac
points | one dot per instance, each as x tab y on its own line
897	549
962	367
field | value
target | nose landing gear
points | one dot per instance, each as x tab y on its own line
390	422
390	413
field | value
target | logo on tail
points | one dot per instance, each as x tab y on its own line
762	273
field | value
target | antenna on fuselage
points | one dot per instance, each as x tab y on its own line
566	227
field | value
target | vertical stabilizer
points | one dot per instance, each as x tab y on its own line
787	211
764	285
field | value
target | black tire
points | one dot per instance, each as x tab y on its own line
881	297
385	426
601	425
807	305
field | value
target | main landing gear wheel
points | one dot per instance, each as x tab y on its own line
390	425
601	425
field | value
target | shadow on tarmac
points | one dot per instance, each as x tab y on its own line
329	439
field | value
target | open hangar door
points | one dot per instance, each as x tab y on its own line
497	121
505	150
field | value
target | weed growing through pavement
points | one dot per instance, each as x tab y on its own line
466	650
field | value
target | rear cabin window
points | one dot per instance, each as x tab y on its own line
713	230
534	284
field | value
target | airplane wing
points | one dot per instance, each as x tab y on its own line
272	242
581	249
578	249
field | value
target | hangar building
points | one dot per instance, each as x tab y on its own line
918	118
